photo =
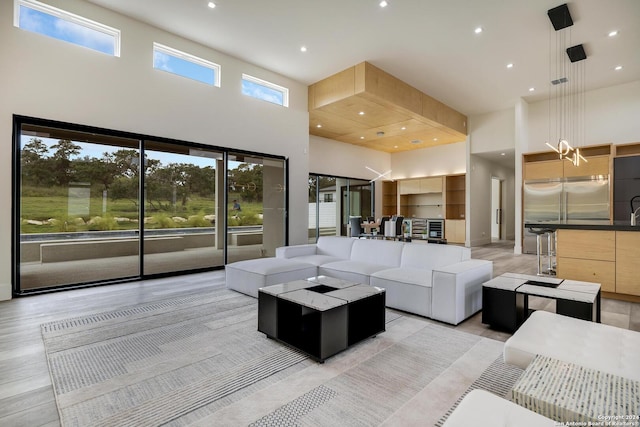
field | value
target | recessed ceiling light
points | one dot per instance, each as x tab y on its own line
435	139
510	65
395	146
403	128
384	3
211	4
478	30
318	125
503	154
531	89
362	137
303	49
618	68
361	113
613	33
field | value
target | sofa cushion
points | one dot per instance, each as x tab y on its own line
382	253
414	276
334	246
317	259
407	289
430	255
355	271
592	345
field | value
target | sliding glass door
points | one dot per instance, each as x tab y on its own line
94	206
78	207
256	206
332	200
180	208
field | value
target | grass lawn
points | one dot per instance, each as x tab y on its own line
121	214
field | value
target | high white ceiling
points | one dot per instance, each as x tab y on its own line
429	44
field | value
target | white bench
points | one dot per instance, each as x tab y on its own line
246	238
106	248
592	345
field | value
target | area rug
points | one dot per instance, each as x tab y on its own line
192	360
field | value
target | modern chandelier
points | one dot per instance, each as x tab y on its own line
567	75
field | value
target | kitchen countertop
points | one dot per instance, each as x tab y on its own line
584	225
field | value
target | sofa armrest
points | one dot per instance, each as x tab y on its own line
296	250
457	289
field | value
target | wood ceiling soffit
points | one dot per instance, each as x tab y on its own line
381	86
332	89
389	104
386	87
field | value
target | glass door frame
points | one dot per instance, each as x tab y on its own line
16	180
338	190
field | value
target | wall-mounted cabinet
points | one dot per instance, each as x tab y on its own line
420	185
547	165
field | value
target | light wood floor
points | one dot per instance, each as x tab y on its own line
26	396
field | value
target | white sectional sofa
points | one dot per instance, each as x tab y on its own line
441	282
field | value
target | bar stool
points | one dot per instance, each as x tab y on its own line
539	232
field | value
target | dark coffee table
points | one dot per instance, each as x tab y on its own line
505	299
321	316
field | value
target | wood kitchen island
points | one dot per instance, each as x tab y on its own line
608	254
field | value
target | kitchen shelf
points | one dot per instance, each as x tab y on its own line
455	197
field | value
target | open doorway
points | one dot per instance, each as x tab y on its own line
497	213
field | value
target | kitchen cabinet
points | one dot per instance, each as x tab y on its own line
455	230
605	254
627	262
596	165
626	185
409	186
420	185
543	170
547	165
587	255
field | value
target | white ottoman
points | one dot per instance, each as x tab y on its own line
592	345
248	276
481	408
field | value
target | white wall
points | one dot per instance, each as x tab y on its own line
492	131
611	116
47	78
440	160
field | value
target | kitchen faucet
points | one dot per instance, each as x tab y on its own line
634	214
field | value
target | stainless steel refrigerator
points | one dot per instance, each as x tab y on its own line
568	200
